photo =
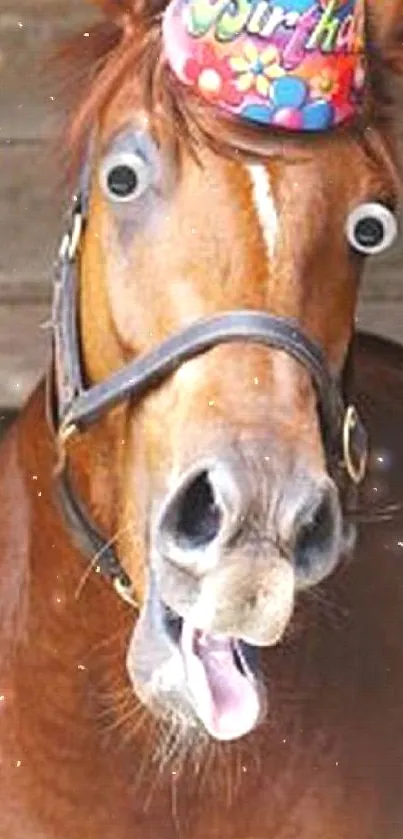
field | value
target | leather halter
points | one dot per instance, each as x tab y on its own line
74	407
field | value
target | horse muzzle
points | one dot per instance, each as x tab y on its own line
232	543
249	498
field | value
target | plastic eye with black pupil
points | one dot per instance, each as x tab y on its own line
122	181
369	232
125	176
371	228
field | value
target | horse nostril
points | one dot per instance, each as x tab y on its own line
205	508
194	517
317	539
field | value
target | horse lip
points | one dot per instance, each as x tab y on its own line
172	622
159	676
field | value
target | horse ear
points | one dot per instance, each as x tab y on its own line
386	21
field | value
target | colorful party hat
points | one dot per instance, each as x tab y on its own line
295	64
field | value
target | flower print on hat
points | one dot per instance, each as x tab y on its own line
295	64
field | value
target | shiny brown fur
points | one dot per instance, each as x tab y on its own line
79	757
79	760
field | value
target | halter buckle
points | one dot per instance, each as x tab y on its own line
71	240
66	431
355	445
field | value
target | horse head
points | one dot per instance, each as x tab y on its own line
221	176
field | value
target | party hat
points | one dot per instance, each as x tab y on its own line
296	64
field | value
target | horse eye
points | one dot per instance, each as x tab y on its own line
371	228
125	176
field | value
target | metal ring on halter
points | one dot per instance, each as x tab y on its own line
356	464
125	591
71	240
66	431
75	235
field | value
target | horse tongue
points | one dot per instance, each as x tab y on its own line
225	700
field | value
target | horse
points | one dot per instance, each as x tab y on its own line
201	586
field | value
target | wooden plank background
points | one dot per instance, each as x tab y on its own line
31	204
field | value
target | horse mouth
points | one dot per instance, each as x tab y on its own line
221	677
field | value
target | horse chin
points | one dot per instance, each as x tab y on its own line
208	683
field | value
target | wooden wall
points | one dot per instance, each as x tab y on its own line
30	204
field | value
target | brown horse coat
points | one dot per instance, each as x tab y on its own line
80	756
327	764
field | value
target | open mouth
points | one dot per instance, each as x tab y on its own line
221	677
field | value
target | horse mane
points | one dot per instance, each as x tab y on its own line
127	40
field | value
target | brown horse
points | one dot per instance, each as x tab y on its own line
216	484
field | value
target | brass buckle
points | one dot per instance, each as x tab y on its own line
62	436
355	462
66	431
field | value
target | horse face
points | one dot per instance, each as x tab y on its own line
232	510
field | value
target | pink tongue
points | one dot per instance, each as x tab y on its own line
226	701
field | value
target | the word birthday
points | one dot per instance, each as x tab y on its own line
322	26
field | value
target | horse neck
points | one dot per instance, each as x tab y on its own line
57	643
48	573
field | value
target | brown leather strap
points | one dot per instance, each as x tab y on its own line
78	407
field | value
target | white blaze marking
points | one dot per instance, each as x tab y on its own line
192	371
265	205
